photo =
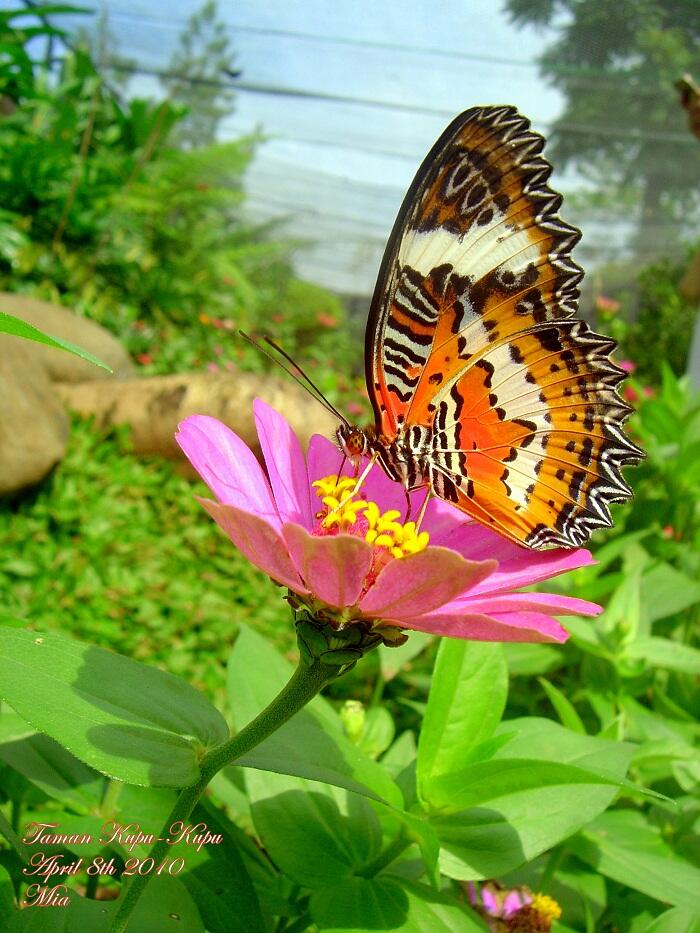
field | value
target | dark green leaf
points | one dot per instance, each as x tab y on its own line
335	760
130	721
8	907
218	881
624	847
60	775
357	905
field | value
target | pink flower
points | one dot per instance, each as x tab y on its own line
512	909
609	305
627	365
463	583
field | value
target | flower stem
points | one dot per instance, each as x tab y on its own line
306	681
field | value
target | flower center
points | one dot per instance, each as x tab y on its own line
546	906
343	512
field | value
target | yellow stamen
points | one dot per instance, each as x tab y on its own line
546	906
385	530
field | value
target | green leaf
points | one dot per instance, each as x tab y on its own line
378	732
296	819
496	836
564	708
663	652
391	660
164	907
487	782
526	660
12	726
335	760
676	920
8	832
357	905
467	697
18	328
217	879
8	907
317	835
55	771
125	719
621	845
422	833
666	591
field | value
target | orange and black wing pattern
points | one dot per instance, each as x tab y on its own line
471	335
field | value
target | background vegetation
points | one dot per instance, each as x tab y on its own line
113	207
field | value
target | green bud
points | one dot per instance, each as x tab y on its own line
352	716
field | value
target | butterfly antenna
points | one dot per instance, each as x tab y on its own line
306	382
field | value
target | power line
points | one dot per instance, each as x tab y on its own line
350	42
328	97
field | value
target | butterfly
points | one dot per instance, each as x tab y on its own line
485	388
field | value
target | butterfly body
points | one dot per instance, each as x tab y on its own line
484	387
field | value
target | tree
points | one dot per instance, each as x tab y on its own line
616	62
198	76
101	46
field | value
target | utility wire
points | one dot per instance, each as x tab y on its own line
328	97
348	41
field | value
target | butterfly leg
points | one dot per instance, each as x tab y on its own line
358	482
424	506
408	504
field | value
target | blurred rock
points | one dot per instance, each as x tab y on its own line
33	423
153	406
61	322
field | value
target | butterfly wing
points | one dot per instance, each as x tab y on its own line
470	334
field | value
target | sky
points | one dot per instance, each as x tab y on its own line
350	97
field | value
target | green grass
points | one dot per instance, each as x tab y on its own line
115	550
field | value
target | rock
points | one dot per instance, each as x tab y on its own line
153	406
33	423
61	322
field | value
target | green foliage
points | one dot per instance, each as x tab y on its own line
616	64
117	552
662	326
434	783
374	817
100	211
197	77
86	698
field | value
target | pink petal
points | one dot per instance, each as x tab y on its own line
550	603
422	582
333	567
285	463
528	567
514	901
324	459
260	543
227	466
473	540
507	626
